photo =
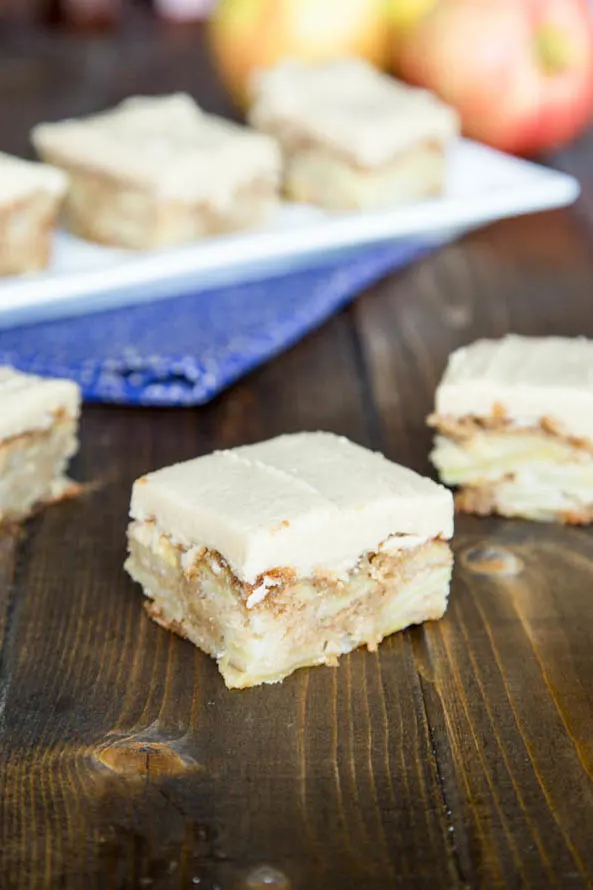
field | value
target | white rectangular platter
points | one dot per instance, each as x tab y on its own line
482	185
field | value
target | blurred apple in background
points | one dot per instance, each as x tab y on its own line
520	72
250	34
402	16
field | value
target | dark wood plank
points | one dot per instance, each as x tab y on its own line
505	675
509	696
9	541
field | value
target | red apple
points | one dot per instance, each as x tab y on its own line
520	72
250	34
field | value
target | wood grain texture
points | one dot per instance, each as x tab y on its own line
458	756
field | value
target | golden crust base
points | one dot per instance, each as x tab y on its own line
315	175
297	622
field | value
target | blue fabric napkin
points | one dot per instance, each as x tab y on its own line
183	351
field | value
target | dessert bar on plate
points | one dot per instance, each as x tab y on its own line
514	422
289	553
352	137
30	198
38	435
159	171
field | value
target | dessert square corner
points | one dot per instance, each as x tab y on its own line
514	429
31	195
38	436
289	553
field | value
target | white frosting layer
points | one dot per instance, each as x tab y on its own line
528	378
20	179
167	144
310	501
350	107
30	403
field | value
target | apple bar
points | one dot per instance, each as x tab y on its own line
159	171
30	198
352	137
289	553
38	436
514	428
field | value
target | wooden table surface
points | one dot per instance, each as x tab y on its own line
458	756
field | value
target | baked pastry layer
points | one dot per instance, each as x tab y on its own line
352	137
33	467
514	471
102	209
159	171
38	426
316	176
30	199
262	632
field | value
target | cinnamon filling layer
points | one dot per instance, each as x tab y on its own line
264	631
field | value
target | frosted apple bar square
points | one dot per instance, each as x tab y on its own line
289	553
514	428
352	137
157	171
38	436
